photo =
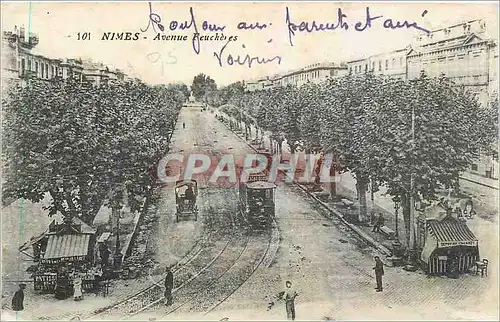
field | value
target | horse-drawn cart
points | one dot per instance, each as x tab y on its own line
186	193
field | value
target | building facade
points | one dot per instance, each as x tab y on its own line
391	64
258	85
20	63
315	73
462	52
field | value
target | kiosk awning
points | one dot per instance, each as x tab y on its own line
450	233
62	246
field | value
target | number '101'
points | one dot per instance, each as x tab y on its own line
83	36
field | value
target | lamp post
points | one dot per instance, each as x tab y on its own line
396	244
397	205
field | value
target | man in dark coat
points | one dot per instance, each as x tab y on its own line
289	296
169	285
18	299
379	272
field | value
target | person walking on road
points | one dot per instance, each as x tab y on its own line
379	272
289	297
18	299
169	285
379	222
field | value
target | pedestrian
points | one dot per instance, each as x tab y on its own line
381	221
18	299
379	272
376	225
289	297
373	218
169	285
77	285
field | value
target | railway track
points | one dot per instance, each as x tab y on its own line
200	274
212	292
144	298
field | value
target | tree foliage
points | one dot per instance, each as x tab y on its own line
366	122
203	87
84	144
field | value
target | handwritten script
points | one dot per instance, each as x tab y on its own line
224	58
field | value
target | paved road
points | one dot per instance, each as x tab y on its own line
329	265
333	271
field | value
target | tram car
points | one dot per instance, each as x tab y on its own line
257	202
186	193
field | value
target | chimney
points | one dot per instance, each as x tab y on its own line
21	32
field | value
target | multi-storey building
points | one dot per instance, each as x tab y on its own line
19	63
315	73
16	56
392	64
462	52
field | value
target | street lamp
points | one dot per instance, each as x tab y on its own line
397	205
396	244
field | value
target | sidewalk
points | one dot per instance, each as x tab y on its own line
382	203
483	181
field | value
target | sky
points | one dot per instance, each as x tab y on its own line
160	62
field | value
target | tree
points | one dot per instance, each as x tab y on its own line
344	131
203	87
450	130
85	145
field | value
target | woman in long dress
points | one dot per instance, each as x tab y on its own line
77	284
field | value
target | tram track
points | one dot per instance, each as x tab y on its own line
204	278
209	297
204	248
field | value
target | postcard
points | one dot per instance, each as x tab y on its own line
245	161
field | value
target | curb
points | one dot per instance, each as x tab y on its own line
479	183
356	229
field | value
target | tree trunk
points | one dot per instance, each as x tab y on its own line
372	195
333	184
58	202
405	205
71	205
84	202
361	187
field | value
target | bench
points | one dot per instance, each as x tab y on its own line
387	232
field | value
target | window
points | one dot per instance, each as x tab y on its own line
36	67
373	65
474	167
350	70
379	65
366	68
29	65
394	62
386	64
